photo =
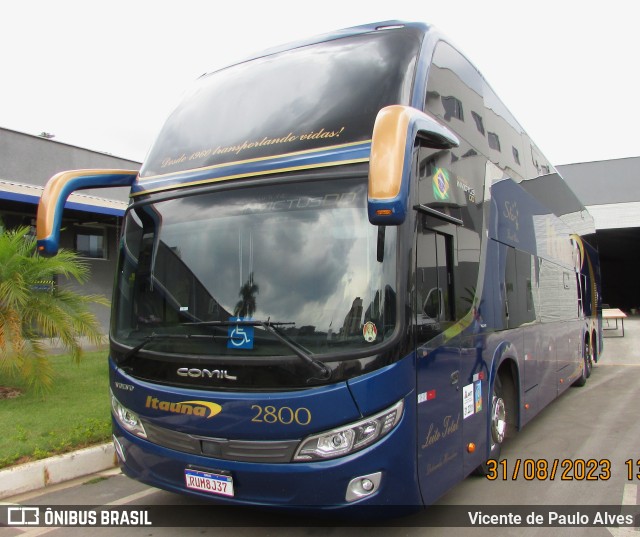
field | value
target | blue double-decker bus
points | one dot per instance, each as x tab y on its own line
346	276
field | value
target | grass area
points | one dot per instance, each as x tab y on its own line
75	414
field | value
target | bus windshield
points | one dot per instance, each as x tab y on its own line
304	259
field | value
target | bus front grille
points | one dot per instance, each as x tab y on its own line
272	451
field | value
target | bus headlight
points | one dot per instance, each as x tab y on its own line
349	438
128	419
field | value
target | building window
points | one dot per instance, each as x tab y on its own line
91	243
494	141
452	108
479	123
516	155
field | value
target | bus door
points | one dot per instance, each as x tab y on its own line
438	365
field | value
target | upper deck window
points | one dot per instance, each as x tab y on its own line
314	96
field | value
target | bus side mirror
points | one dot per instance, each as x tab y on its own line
394	135
55	194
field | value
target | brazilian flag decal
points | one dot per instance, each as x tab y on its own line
441	184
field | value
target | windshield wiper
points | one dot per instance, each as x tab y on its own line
322	371
152	337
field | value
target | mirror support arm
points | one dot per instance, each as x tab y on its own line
438	214
56	192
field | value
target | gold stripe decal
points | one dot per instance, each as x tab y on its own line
304	160
286	156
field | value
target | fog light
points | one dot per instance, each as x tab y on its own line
363	486
367	485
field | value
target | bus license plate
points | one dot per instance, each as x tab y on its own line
209	482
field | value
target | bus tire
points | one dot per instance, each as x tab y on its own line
590	356
499	418
586	365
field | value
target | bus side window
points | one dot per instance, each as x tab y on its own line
453	181
510	297
583	305
435	308
455	94
520	284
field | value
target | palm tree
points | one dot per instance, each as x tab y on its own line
247	305
32	309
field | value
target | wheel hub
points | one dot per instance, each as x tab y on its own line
498	420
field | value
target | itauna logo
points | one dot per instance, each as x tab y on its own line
195	408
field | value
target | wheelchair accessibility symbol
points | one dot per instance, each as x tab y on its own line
240	337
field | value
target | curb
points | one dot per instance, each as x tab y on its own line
43	473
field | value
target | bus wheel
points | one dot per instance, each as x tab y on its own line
590	355
498	424
586	367
498	417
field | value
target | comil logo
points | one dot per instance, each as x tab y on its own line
196	408
197	373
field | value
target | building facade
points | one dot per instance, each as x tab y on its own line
91	219
610	189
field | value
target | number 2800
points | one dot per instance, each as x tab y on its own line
284	415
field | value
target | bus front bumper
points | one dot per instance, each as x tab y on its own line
383	474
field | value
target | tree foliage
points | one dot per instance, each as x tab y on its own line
33	310
247	305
